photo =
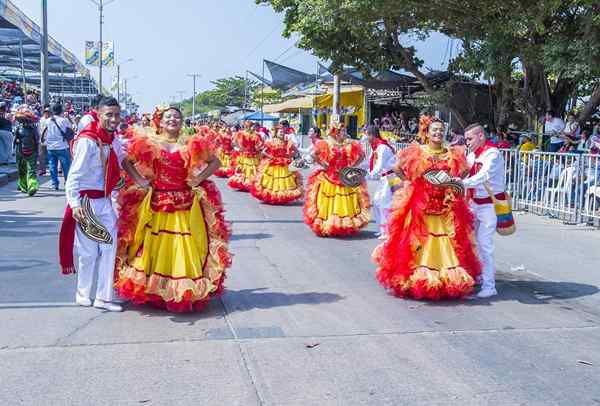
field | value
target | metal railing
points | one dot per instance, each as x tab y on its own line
559	185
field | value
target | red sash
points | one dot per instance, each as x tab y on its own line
478	165
112	174
67	234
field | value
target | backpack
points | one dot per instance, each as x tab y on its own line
26	139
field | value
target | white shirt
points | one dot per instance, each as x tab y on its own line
87	168
54	138
492	172
554	127
572	128
384	161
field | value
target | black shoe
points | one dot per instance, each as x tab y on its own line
56	187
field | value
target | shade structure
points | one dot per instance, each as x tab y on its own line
20	60
291	106
258	116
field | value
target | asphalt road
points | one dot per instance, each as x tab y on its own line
303	322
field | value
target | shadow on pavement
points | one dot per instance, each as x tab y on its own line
363	235
251	236
529	292
13	221
260	298
13	265
212	310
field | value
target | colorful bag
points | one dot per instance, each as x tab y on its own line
506	222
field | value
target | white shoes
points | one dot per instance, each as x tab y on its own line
82	301
486	293
111	307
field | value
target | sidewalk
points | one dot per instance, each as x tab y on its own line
8	173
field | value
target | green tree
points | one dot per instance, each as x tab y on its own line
232	91
536	55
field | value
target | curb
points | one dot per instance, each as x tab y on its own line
8	176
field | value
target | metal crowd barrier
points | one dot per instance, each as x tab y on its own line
559	185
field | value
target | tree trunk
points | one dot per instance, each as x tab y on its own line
410	66
591	106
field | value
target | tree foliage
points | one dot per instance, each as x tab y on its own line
232	91
536	54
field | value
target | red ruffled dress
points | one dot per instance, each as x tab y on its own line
275	183
430	252
173	240
224	151
330	208
247	161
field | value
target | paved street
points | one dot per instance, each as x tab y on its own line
303	322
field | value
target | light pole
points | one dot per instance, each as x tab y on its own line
119	78
194	76
101	4
181	94
44	53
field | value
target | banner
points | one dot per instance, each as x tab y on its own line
108	53
91	53
92	56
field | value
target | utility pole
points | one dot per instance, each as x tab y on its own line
181	94
336	99
194	76
119	84
101	4
262	94
44	54
119	78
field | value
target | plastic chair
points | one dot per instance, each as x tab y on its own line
562	190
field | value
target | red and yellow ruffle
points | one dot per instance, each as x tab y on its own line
245	171
276	184
335	210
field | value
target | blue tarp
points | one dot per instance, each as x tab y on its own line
258	116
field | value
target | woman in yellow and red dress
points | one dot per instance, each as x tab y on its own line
275	183
224	151
250	145
331	208
173	239
430	252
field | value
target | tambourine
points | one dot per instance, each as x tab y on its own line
91	225
352	177
443	179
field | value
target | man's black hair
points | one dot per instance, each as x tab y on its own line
96	100
57	109
108	102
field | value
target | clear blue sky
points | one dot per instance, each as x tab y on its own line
167	40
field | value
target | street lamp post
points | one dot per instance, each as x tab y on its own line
119	78
101	4
194	76
44	53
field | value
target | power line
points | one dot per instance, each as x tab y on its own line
262	41
285	52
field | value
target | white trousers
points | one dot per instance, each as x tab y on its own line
96	261
382	203
485	229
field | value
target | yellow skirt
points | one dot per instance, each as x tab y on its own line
332	209
437	272
244	173
169	261
226	168
275	184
